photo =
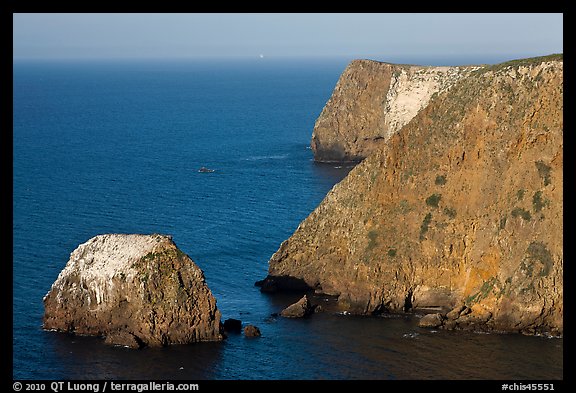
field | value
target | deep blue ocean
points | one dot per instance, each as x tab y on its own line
115	147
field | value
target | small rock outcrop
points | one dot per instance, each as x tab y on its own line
135	290
373	100
300	309
232	325
460	317
455	313
430	320
252	331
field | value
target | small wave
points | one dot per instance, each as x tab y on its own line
546	335
273	157
410	335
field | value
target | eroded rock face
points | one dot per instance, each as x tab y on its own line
371	102
464	205
136	290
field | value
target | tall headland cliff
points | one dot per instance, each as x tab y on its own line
373	100
462	206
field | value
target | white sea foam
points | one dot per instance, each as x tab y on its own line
272	157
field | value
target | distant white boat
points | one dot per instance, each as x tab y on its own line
206	170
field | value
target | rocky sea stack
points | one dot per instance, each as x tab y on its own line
135	290
463	205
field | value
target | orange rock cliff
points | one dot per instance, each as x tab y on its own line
461	207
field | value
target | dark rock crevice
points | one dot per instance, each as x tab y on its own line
273	284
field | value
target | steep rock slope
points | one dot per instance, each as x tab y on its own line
134	289
372	101
463	206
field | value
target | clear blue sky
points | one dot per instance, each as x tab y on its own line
377	36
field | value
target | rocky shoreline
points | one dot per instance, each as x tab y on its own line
462	205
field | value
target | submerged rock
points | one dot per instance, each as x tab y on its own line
135	290
206	170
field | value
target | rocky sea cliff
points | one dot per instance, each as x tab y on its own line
373	100
460	209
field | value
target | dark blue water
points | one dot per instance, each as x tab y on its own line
115	147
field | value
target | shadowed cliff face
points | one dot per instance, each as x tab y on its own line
372	101
134	289
462	205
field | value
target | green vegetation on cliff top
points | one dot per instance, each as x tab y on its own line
523	62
